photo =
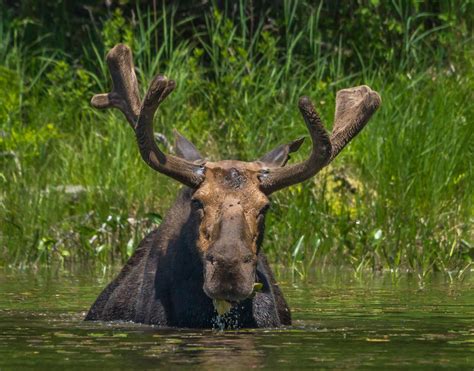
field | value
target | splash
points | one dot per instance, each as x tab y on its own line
229	320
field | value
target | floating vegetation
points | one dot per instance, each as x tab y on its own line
222	306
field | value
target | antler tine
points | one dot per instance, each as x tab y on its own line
277	178
354	108
188	173
124	94
125	97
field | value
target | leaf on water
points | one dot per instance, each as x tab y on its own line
221	306
96	334
377	340
173	341
457	342
120	335
64	335
202	348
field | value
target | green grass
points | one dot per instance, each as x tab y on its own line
398	197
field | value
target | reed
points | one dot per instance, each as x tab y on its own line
74	189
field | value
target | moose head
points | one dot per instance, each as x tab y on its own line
230	198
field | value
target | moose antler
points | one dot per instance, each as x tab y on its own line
354	107
126	98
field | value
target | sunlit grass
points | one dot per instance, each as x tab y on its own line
400	196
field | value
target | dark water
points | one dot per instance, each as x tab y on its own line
340	321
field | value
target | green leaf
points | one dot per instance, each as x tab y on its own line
154	218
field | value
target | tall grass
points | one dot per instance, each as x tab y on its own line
74	189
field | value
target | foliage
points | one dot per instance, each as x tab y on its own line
72	185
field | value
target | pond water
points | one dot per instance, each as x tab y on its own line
340	321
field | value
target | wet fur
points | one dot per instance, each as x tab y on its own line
162	282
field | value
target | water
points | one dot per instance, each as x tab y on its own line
339	322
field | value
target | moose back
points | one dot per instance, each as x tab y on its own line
207	251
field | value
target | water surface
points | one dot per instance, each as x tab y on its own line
340	321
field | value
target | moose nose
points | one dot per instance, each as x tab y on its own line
221	260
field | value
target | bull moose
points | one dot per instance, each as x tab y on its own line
208	249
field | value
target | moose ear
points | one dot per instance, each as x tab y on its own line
279	156
185	149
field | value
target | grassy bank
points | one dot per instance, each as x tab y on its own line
74	188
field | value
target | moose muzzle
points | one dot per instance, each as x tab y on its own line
230	262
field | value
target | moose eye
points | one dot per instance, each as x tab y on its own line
197	204
248	258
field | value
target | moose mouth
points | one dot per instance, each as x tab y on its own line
232	292
233	297
223	306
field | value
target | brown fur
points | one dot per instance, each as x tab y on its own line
208	246
162	283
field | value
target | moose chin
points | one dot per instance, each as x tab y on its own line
207	251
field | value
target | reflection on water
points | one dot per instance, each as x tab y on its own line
339	321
